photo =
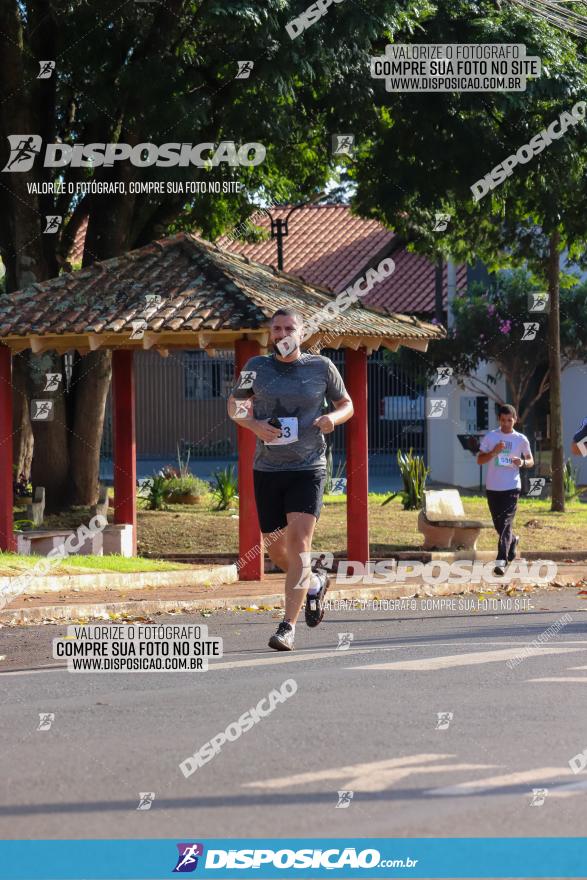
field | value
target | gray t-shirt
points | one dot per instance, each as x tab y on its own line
295	393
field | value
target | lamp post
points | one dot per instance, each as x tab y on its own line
279	227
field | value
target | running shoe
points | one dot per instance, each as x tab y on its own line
283	639
315	604
499	569
514	548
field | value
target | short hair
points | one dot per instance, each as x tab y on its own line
289	312
506	409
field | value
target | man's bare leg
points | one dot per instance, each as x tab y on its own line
277	548
298	540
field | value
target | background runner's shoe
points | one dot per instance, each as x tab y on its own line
315	604
514	548
283	640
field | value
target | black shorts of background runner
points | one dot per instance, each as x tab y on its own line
283	492
502	506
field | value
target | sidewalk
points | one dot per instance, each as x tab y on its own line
71	605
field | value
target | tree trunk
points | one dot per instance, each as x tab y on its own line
107	236
50	460
22	437
90	381
554	363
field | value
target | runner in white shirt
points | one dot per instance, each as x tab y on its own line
579	444
505	451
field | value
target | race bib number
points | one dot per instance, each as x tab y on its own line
504	459
289	432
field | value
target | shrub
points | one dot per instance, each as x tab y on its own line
154	491
414	473
226	488
570	480
188	485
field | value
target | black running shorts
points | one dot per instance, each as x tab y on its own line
278	493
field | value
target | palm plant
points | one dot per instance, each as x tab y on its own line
414	473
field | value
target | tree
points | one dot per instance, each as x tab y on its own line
427	150
131	73
489	326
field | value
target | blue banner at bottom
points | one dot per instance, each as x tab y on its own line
472	857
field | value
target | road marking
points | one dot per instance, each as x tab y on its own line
570	679
531	777
373	776
428	664
279	657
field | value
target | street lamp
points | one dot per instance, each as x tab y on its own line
279	227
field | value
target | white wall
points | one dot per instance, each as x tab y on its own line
574	403
449	463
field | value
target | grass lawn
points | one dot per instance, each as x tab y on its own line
12	564
203	530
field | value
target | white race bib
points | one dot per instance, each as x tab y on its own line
504	459
289	432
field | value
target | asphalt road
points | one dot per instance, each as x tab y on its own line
363	719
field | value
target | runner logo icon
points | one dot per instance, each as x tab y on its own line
187	860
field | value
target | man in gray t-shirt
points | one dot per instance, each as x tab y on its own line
283	399
295	393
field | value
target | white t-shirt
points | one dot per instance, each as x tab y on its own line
581	436
501	473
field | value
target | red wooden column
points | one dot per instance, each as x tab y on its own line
125	450
7	541
249	533
357	457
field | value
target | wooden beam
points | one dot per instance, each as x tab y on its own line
164	352
95	341
149	339
417	344
37	344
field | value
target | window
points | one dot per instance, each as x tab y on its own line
206	378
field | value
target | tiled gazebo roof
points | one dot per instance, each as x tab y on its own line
207	297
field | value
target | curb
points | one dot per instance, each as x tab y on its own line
149	607
577	556
139	580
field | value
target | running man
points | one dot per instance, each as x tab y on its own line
288	388
580	438
506	451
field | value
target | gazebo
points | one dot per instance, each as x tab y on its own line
185	293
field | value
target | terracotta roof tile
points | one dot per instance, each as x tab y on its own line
217	289
327	245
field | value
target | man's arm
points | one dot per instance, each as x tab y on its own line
526	462
343	411
259	427
484	457
575	449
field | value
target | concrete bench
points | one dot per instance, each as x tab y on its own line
444	524
114	539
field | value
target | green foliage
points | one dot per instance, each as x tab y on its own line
332	476
188	485
154	490
226	488
414	473
570	476
489	325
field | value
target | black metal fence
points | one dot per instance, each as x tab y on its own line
181	391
